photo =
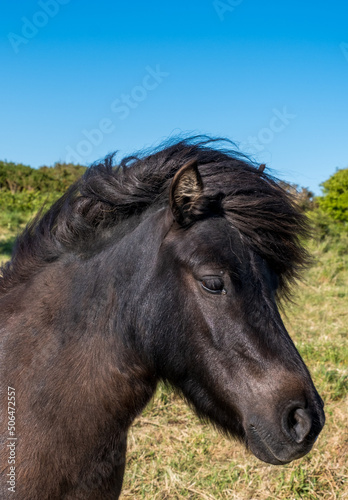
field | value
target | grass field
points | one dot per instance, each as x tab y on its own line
171	455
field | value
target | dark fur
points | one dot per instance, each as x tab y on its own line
103	297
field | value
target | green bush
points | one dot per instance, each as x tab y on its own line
16	178
334	201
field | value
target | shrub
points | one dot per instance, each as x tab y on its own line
334	201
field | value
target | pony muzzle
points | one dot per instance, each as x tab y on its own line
292	439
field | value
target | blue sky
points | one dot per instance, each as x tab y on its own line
81	79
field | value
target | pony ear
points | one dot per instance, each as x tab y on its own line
185	191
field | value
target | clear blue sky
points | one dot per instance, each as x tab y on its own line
81	79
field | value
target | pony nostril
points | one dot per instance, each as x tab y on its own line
299	423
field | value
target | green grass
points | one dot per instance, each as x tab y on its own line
171	455
15	212
6	244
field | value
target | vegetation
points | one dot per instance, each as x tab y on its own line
174	456
334	201
24	191
16	178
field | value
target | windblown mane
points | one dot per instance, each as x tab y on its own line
106	195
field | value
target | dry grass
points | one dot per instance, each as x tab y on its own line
181	458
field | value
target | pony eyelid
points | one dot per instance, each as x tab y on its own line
221	291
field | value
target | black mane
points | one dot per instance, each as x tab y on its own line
106	195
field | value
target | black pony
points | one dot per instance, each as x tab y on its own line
168	266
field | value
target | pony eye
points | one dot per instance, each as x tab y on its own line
213	284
